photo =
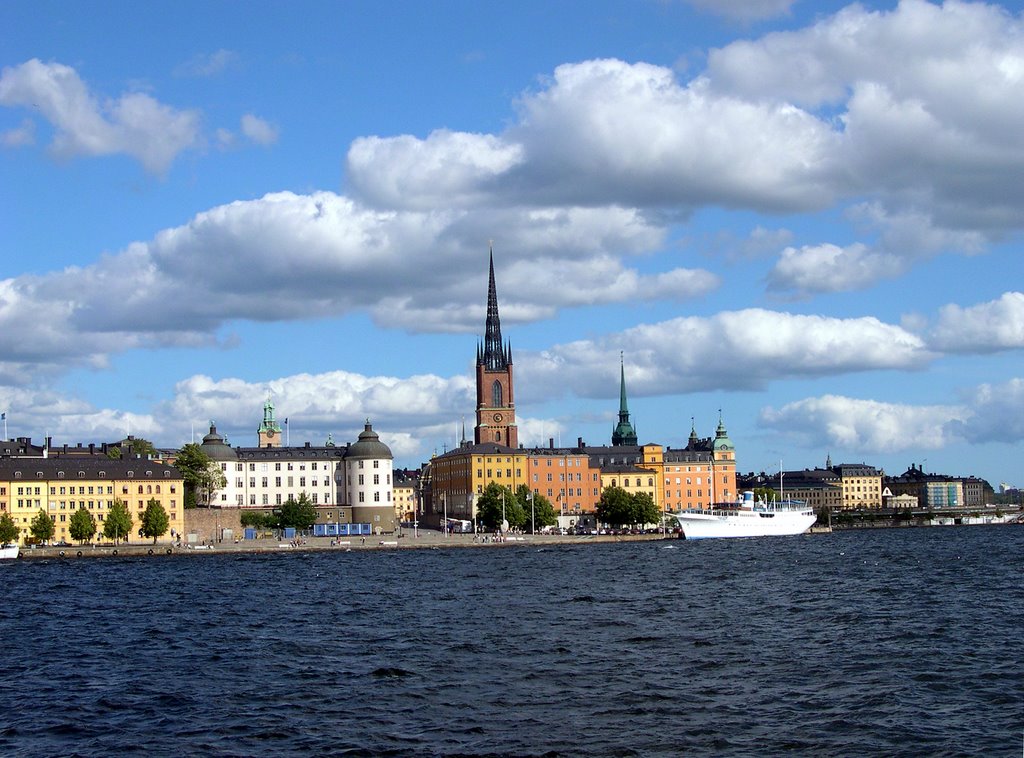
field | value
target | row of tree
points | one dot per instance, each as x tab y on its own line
524	510
620	508
117	525
295	513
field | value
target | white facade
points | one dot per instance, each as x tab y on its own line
368	482
266	477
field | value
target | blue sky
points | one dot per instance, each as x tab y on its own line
805	216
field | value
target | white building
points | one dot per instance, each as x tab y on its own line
357	476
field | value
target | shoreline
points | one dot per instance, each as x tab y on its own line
426	540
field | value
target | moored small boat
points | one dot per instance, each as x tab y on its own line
9	551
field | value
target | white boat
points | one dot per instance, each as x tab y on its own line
747	519
8	551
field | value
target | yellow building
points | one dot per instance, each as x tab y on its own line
632	478
459	476
861	485
404	494
61	485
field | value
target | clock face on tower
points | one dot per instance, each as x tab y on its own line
270	433
497	418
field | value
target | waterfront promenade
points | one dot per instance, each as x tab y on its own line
423	539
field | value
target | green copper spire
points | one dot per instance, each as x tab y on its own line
269	424
623	433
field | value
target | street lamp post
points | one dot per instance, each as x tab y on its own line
533	514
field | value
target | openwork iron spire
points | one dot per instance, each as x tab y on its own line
495	355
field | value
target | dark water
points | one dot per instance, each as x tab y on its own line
887	642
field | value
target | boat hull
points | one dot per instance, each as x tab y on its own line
8	551
701	525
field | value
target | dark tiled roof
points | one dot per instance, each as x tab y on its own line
87	467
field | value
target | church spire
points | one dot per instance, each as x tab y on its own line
495	354
495	398
624	433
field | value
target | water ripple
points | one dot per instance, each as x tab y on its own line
888	642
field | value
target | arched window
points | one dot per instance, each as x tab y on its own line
496	394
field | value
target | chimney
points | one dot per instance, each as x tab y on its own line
551	443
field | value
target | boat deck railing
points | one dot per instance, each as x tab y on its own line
731	509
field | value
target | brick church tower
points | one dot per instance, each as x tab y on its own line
495	399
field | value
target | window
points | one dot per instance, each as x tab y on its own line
496	394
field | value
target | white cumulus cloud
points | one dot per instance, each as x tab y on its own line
986	327
134	124
867	426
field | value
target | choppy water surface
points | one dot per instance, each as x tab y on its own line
887	642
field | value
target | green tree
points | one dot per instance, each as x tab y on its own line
539	513
82	526
9	531
300	513
155	521
42	527
644	509
118	523
615	507
202	476
496	499
258	519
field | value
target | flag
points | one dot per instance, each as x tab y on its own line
286	421
3	416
